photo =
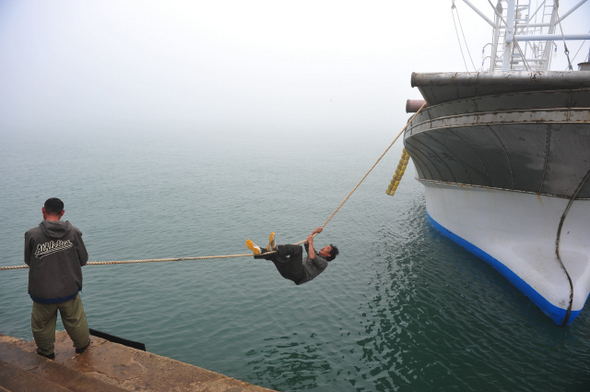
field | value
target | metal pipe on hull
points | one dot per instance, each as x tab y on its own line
442	87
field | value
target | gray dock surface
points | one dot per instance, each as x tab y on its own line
104	366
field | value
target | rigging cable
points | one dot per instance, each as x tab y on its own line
566	50
579	49
238	255
454	8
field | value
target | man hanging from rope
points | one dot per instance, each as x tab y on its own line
289	259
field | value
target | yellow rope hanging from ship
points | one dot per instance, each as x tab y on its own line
399	173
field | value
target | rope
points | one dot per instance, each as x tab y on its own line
558	242
141	261
239	255
371	169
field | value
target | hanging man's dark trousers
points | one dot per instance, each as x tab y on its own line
289	261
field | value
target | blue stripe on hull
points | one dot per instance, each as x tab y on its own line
555	313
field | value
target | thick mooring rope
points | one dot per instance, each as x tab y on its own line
141	261
239	255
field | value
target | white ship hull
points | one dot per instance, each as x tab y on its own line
515	232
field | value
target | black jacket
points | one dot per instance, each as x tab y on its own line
55	254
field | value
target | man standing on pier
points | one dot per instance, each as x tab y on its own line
55	254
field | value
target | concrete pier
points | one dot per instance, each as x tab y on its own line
104	366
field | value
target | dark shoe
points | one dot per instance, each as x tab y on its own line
81	350
50	356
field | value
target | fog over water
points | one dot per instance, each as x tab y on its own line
255	68
182	128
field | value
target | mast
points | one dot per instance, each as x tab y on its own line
524	32
509	33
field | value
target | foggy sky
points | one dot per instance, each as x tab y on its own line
289	67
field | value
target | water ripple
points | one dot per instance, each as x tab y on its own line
401	309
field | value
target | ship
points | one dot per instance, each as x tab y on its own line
503	154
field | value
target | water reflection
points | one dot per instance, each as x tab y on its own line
439	318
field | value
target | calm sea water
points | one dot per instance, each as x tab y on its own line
401	309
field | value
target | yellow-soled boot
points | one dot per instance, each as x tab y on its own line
253	247
272	244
